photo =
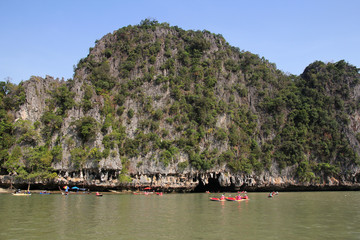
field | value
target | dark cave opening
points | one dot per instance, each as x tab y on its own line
213	185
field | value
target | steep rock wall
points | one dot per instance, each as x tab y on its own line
156	91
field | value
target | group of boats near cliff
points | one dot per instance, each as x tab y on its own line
66	190
241	196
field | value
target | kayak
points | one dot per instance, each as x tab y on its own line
46	193
217	199
234	199
21	194
230	199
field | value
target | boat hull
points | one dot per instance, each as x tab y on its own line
21	194
234	199
217	199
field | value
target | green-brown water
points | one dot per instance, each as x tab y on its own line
308	215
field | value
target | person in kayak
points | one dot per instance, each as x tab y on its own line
222	197
238	197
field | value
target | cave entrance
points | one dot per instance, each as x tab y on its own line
212	186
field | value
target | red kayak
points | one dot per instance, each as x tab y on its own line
234	199
237	200
217	199
230	199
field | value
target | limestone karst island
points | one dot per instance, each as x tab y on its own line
153	105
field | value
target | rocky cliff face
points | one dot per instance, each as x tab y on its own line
183	110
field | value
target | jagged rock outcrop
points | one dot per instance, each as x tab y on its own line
37	91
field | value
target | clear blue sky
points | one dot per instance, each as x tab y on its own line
45	37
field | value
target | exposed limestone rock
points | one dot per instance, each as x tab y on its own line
37	90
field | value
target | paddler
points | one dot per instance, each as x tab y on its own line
222	197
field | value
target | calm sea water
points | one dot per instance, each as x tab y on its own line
307	215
